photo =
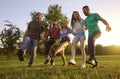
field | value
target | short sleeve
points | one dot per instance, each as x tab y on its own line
83	22
28	27
70	30
97	16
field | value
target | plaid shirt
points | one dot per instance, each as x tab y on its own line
54	33
35	29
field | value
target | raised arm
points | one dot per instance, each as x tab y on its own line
108	28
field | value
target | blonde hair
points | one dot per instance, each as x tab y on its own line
64	21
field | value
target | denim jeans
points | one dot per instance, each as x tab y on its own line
29	41
91	43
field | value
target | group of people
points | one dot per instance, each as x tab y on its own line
78	26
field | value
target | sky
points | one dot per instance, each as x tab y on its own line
18	12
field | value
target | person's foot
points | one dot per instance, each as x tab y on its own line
64	64
83	66
29	65
96	65
47	61
52	62
91	61
72	62
20	54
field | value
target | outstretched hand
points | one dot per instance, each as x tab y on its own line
108	28
40	42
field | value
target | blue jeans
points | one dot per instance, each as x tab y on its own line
29	41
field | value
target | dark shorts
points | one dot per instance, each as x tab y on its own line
64	39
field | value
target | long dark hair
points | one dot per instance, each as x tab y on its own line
73	19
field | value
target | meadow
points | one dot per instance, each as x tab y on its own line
109	68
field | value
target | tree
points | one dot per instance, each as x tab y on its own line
55	13
32	14
10	38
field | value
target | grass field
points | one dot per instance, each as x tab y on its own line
109	68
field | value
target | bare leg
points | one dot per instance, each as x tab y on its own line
61	48
82	48
73	48
63	57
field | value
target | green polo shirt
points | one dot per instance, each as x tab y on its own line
92	23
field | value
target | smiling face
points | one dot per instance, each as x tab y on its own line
76	15
38	16
55	23
86	10
64	24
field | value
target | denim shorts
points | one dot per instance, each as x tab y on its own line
64	39
80	35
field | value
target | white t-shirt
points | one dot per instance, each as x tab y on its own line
78	27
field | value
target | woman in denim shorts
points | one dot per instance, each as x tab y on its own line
77	24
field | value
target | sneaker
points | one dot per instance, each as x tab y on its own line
92	62
83	66
52	62
72	62
96	65
47	61
20	55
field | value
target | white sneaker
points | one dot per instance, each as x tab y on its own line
83	66
72	61
92	62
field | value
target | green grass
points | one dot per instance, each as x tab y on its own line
109	68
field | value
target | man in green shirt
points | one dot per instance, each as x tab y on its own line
94	32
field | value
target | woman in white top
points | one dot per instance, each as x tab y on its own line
77	24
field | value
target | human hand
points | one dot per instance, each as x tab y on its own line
40	42
108	28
